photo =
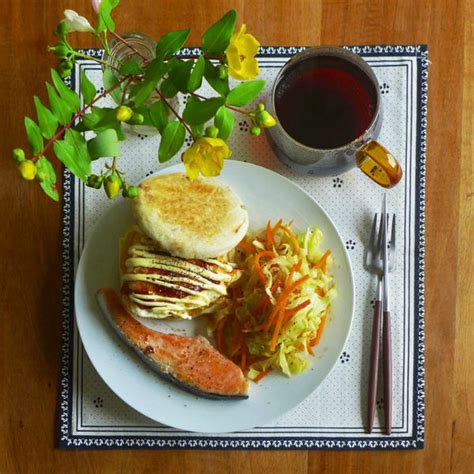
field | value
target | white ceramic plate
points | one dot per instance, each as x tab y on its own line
267	196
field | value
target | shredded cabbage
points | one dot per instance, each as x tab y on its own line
275	311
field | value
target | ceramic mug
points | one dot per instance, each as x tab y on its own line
309	141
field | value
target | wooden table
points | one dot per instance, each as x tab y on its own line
30	276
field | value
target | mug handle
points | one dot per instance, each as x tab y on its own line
379	164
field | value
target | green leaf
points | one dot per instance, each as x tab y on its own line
195	79
168	89
99	120
72	151
48	123
159	115
66	94
104	144
171	43
131	67
109	80
180	73
200	111
244	93
216	39
155	70
211	73
33	133
88	90
141	92
104	19
224	121
172	140
43	165
198	130
60	107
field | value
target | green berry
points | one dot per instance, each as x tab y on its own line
255	131
130	192
27	170
18	155
136	119
123	113
211	131
222	72
60	50
260	108
264	119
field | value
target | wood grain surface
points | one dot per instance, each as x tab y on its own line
30	275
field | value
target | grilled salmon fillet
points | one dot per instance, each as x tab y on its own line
190	362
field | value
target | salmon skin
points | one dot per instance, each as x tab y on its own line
189	362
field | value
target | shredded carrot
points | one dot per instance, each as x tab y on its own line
323	263
243	359
281	302
218	334
308	348
275	286
237	336
292	238
258	267
262	374
291	312
246	246
320	292
276	331
270	241
319	333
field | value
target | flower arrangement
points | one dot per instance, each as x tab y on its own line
143	89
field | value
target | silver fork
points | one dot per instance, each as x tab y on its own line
374	264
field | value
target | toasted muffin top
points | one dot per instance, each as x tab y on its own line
203	218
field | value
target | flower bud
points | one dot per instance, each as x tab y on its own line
260	107
112	186
60	50
255	131
264	119
136	119
222	72
130	192
64	69
27	170
94	181
211	131
124	113
18	155
62	28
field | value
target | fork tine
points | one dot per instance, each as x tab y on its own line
392	234
380	234
370	248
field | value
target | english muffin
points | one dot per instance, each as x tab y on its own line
199	219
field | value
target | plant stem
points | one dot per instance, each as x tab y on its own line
230	107
185	125
78	114
101	61
124	41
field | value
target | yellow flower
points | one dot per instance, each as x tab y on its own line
206	156
241	55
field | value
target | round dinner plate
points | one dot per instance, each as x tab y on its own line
267	195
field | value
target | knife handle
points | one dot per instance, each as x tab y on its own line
374	364
387	370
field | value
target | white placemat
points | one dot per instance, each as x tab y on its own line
333	417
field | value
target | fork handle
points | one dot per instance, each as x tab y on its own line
374	364
387	371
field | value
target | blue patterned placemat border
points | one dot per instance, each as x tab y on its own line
68	440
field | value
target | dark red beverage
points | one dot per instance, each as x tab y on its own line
325	102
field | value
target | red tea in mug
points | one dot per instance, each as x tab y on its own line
325	102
